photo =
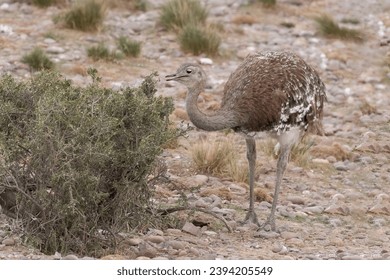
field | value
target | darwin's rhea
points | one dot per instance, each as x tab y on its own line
275	92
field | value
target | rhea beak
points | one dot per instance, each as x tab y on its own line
171	77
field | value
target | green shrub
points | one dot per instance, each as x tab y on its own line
43	3
329	28
37	60
197	40
85	15
177	13
102	52
77	160
268	3
129	47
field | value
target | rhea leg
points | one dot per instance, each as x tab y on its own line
286	141
251	156
280	168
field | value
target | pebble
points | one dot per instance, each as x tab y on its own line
155	239
178	245
192	229
297	200
8	242
341	166
70	257
134	241
313	209
289	234
205	61
173	231
266	234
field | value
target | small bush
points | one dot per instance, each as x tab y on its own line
268	3
43	3
328	27
75	161
101	52
212	157
85	15
129	47
178	13
37	60
197	40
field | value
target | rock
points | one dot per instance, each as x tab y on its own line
313	209
134	241
205	61
277	247
8	242
337	209
288	235
352	257
55	50
146	250
70	257
341	166
174	231
177	245
191	229
155	239
266	234
114	257
320	161
296	200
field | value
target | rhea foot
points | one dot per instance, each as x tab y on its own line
269	225
251	217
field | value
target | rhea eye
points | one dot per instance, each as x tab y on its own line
189	71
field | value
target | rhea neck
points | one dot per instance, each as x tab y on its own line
217	120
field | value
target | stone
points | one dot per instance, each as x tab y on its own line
296	200
313	209
70	257
175	244
192	229
8	242
266	234
174	231
146	250
134	241
155	239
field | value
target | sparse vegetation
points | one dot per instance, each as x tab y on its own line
75	161
219	158
197	40
129	47
102	52
212	157
329	28
85	15
350	21
44	3
188	19
244	19
288	24
267	3
178	13
37	60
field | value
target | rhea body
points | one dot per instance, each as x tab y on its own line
276	92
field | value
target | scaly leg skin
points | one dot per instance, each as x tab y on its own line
251	156
281	167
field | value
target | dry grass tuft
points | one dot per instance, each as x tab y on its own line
244	19
336	150
198	39
367	109
262	195
212	157
222	192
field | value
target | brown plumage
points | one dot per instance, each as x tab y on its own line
277	92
